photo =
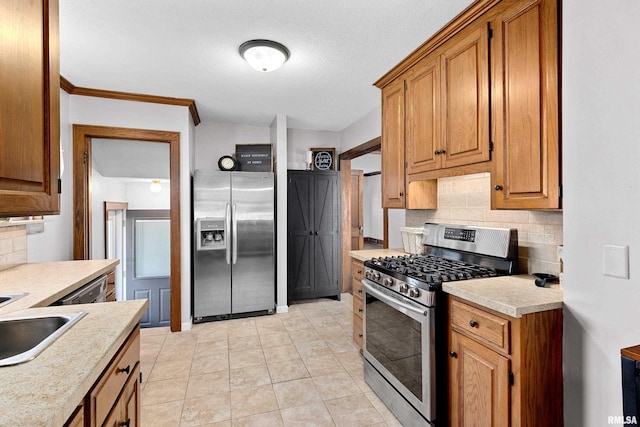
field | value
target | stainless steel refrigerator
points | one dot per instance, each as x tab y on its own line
233	244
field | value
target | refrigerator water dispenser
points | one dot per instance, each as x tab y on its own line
210	234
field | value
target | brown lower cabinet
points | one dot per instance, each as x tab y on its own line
357	271
504	371
114	399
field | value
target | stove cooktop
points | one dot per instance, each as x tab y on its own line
432	269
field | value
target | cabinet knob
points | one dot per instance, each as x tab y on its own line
359	271
453	354
125	370
359	291
125	423
436	152
473	323
401	194
360	310
498	187
360	335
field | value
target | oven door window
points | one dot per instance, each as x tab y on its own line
394	339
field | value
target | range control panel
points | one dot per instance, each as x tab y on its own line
460	234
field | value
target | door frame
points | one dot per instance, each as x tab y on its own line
345	193
82	136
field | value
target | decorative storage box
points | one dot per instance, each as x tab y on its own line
412	240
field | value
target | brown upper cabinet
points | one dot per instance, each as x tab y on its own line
29	108
526	167
487	81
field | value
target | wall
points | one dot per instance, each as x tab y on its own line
372	194
13	245
56	243
102	189
362	130
466	200
213	140
300	141
601	149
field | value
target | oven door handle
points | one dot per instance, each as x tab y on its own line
392	301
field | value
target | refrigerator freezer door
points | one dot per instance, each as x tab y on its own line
211	271
253	274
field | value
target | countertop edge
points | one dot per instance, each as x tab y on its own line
500	307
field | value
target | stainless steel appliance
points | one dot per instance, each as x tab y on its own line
94	291
405	339
233	244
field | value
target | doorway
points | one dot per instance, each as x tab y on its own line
368	147
82	155
147	260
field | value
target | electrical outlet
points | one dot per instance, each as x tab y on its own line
615	261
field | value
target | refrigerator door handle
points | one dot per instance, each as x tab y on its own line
234	231
227	230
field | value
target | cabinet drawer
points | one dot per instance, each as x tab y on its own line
356	285
106	392
357	307
481	325
357	331
357	270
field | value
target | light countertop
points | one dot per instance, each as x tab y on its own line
47	282
367	254
513	296
510	295
46	390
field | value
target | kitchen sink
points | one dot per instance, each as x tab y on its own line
23	338
9	298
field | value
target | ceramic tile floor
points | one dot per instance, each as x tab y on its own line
299	368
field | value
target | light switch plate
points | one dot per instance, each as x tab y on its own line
615	261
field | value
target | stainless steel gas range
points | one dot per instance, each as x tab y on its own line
405	342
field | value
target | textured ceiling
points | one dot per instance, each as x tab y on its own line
189	49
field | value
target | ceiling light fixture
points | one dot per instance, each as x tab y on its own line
155	186
264	55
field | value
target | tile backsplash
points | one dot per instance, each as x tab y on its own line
13	245
467	200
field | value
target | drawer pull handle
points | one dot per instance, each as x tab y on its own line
360	335
359	291
125	423
125	370
453	354
359	271
473	323
360	310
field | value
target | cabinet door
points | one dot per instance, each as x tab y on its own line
423	116
29	108
526	170
130	400
479	385
392	145
326	218
465	97
300	232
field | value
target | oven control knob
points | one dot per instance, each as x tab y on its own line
376	275
414	292
388	282
403	288
367	274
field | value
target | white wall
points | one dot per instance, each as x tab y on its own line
300	141
363	130
139	196
102	189
601	149
56	243
213	140
278	135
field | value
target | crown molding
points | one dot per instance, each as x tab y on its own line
71	89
